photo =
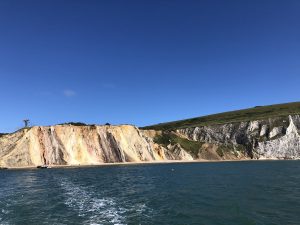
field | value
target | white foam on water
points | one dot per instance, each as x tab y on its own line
141	208
97	210
3	212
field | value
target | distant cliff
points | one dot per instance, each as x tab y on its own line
256	133
261	132
80	145
274	138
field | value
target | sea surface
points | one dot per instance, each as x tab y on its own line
228	193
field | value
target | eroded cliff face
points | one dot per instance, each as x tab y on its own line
276	138
84	145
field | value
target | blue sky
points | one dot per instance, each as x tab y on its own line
144	62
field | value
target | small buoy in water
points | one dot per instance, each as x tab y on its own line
172	169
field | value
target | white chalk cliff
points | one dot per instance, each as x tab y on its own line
285	147
274	138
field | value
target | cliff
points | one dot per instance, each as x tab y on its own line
270	132
274	138
80	145
261	132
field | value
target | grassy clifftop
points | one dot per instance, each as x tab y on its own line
256	113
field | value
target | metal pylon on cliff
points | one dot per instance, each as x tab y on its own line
26	122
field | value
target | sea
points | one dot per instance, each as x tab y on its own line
208	193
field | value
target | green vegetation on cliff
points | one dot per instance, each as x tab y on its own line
256	113
74	124
2	134
195	147
167	138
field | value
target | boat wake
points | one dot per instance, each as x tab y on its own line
5	203
95	210
3	213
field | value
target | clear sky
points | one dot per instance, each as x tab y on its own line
144	62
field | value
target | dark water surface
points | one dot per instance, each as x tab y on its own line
226	193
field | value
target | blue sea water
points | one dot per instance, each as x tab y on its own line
222	193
